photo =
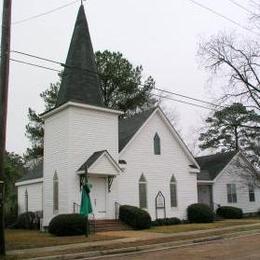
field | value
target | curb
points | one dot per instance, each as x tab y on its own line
148	248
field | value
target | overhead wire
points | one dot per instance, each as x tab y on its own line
223	16
241	7
45	13
94	72
154	94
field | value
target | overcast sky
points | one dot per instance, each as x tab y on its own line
162	36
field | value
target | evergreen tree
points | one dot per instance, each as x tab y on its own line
233	128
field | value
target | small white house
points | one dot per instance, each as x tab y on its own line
140	161
228	179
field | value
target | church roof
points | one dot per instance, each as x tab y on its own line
80	81
35	172
91	160
212	165
129	126
94	158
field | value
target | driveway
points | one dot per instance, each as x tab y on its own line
247	247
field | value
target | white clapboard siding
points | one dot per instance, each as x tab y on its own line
157	169
71	137
34	192
231	175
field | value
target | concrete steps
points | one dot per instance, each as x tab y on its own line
107	225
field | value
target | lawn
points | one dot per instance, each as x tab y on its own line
23	239
194	227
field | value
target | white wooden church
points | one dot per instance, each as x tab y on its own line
128	161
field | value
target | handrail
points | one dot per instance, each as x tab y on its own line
76	207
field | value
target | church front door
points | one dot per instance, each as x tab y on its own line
98	196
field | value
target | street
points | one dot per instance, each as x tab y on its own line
247	247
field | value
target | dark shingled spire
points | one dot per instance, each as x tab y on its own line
79	83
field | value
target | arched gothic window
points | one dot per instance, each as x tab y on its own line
26	200
173	191
55	193
157	144
142	192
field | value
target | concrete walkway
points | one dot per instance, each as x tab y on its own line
130	236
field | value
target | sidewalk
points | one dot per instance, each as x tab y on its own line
132	237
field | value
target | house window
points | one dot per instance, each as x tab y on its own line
26	200
142	192
157	144
173	191
231	193
251	190
55	193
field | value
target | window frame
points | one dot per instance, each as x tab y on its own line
231	193
55	193
251	193
143	202
26	201
173	189
157	144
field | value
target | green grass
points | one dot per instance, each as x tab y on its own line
194	227
23	239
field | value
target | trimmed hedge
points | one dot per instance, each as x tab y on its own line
230	212
27	220
166	221
68	225
200	213
135	217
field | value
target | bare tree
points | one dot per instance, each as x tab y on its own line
225	54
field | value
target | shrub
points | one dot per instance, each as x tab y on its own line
230	212
27	220
135	217
68	225
200	213
166	221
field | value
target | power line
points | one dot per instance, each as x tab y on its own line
34	65
183	102
165	97
94	72
45	13
184	96
241	6
223	16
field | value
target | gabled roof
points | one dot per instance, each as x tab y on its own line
90	163
80	82
212	165
36	172
129	126
90	160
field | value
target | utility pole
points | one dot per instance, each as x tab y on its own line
4	80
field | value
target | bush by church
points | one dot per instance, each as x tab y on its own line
229	212
27	220
200	213
135	217
68	225
166	222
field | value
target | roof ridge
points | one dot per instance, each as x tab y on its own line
218	153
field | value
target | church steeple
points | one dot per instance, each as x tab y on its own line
80	81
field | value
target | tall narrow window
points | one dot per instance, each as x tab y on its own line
142	192
26	200
251	190
55	193
157	144
173	191
231	193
